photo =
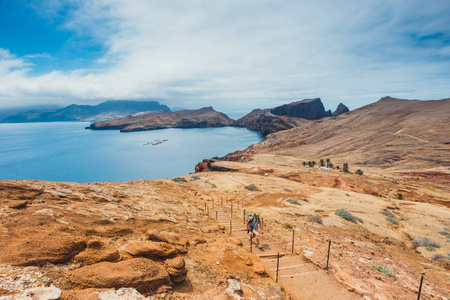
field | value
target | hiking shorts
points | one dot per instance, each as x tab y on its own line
255	232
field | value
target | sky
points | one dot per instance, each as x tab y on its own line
232	55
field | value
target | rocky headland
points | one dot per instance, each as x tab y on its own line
200	118
286	116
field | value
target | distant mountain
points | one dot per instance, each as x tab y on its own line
199	118
286	116
10	111
103	111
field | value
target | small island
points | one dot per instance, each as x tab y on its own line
199	118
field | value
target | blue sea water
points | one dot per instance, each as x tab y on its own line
65	151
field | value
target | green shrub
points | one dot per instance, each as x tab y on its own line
425	242
251	187
315	219
435	245
444	233
287	226
293	201
437	256
387	213
359	172
179	179
193	177
392	220
348	216
384	269
399	196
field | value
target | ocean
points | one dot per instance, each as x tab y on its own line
66	151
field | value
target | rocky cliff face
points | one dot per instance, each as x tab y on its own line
286	116
309	109
200	118
341	109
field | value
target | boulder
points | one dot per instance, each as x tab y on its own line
176	268
96	252
140	273
148	248
235	240
167	237
18	204
41	248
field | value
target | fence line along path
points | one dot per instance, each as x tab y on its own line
300	279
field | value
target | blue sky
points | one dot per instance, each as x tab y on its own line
233	55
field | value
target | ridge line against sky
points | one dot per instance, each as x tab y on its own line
233	55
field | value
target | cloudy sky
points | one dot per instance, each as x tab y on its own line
233	55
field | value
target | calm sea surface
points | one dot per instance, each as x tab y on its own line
65	151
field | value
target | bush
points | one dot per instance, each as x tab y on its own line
193	177
425	242
251	187
399	196
179	179
359	172
293	201
444	233
315	219
434	245
287	226
387	213
437	256
392	220
348	216
384	269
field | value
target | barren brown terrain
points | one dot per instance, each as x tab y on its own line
186	239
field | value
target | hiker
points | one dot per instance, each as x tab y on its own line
252	227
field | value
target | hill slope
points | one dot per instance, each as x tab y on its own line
391	132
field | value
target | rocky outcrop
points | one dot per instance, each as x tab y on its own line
200	118
286	116
166	237
263	121
341	109
151	249
96	252
140	273
41	248
208	165
176	268
309	109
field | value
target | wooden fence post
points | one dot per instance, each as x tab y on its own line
328	258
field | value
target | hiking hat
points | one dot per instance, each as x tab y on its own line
256	214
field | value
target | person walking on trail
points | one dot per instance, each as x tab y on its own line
252	227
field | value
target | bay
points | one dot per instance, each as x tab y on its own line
65	151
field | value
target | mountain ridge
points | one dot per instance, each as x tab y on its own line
74	112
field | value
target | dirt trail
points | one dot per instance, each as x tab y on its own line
301	280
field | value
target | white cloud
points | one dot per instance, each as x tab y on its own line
238	55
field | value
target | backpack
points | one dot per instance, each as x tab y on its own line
253	222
